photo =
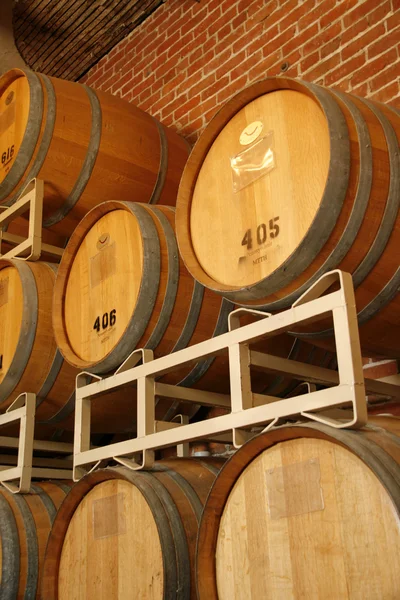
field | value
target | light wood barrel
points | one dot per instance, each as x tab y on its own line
305	511
289	181
87	146
29	359
129	534
25	524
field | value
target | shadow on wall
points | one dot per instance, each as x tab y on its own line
10	58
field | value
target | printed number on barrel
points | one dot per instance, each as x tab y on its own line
261	233
7	155
107	320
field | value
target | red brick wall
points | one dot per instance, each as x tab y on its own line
189	57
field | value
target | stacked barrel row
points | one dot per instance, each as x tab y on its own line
287	182
302	511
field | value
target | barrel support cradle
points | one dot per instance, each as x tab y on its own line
17	470
248	413
31	248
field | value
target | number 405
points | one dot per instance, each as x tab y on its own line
261	233
107	320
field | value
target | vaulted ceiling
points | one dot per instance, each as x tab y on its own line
65	38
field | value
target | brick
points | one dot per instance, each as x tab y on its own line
214	88
245	66
219	60
305	7
325	36
309	61
227	16
278	42
126	79
280	12
201	62
224	32
300	39
239	20
374	67
173	83
164	100
203	84
324	66
231	64
182	45
381	11
392	22
363	41
350	33
264	68
313	16
186	107
166	45
330	48
347	68
244	39
255	10
359	12
361	90
293	59
388	40
384	76
337	13
387	93
232	89
261	41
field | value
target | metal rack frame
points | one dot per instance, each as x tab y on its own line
31	199
17	470
247	410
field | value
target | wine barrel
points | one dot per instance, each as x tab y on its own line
291	180
29	360
121	285
25	524
129	534
86	145
302	512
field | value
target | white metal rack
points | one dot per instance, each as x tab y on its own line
31	248
18	469
248	411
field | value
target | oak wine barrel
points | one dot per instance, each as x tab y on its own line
129	534
289	181
86	145
29	359
25	524
121	285
305	511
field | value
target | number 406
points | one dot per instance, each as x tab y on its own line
107	320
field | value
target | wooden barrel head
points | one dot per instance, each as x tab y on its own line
260	187
11	311
112	548
14	111
308	519
103	285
